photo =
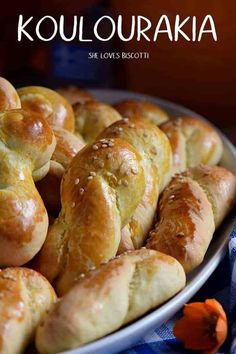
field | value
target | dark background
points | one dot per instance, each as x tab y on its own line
202	76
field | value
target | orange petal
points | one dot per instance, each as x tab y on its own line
203	326
215	307
221	335
221	325
221	330
192	331
196	310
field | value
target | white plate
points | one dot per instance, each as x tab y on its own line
128	335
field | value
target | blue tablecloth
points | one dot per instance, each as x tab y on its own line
221	286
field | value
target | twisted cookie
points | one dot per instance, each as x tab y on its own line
26	146
191	208
155	150
25	296
193	142
98	198
59	114
108	298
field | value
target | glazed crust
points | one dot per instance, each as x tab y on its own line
219	184
92	117
155	150
26	146
193	142
25	297
109	297
9	98
190	209
143	109
58	112
49	104
98	199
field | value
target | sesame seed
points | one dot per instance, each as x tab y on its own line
180	234
153	150
109	174
120	129
104	145
94	158
126	120
95	147
73	205
112	140
110	144
172	196
103	140
89	178
92	173
92	268
100	164
77	181
81	191
132	125
134	170
82	275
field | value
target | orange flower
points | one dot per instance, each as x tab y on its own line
203	326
